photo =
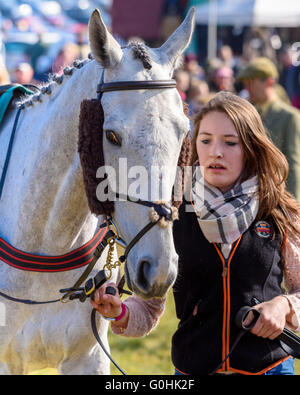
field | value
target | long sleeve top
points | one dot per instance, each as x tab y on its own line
144	314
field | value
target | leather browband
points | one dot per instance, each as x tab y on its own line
135	85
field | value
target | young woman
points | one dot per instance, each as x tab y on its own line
237	239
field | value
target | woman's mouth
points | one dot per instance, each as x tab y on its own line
216	167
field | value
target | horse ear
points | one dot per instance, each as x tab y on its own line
106	50
179	40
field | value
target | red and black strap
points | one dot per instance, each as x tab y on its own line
75	259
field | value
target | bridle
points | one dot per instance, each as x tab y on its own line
163	211
133	85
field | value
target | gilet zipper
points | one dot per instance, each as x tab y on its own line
226	302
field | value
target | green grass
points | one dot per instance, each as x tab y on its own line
149	355
297	367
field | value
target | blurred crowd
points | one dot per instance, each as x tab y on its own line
40	37
198	83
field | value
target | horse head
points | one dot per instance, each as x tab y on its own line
143	133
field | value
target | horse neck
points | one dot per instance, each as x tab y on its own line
49	210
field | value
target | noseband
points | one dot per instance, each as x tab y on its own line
162	210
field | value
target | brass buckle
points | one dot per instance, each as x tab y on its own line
62	300
89	286
120	242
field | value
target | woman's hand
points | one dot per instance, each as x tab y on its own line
109	306
272	319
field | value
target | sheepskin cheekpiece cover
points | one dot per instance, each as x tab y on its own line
90	150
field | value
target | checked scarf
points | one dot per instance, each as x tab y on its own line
224	217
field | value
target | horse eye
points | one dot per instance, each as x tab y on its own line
113	138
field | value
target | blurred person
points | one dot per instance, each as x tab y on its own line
197	93
211	65
65	57
37	50
226	55
23	74
282	93
81	41
2	46
296	94
224	79
4	76
280	119
289	74
285	69
192	66
257	43
182	79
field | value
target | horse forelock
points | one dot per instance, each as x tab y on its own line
140	52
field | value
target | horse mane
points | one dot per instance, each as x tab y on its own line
54	81
139	52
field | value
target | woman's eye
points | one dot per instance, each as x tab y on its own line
204	141
231	143
113	138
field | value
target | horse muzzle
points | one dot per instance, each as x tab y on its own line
150	275
151	278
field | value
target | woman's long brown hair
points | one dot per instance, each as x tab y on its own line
262	158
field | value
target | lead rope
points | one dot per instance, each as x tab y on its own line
26	301
84	293
238	338
288	340
239	320
95	332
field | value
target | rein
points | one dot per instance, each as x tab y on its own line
9	150
7	93
111	237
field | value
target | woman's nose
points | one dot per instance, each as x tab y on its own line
216	151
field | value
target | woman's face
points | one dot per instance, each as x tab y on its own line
219	150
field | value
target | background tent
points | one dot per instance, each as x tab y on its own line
143	19
267	13
242	13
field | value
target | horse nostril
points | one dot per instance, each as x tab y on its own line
143	275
